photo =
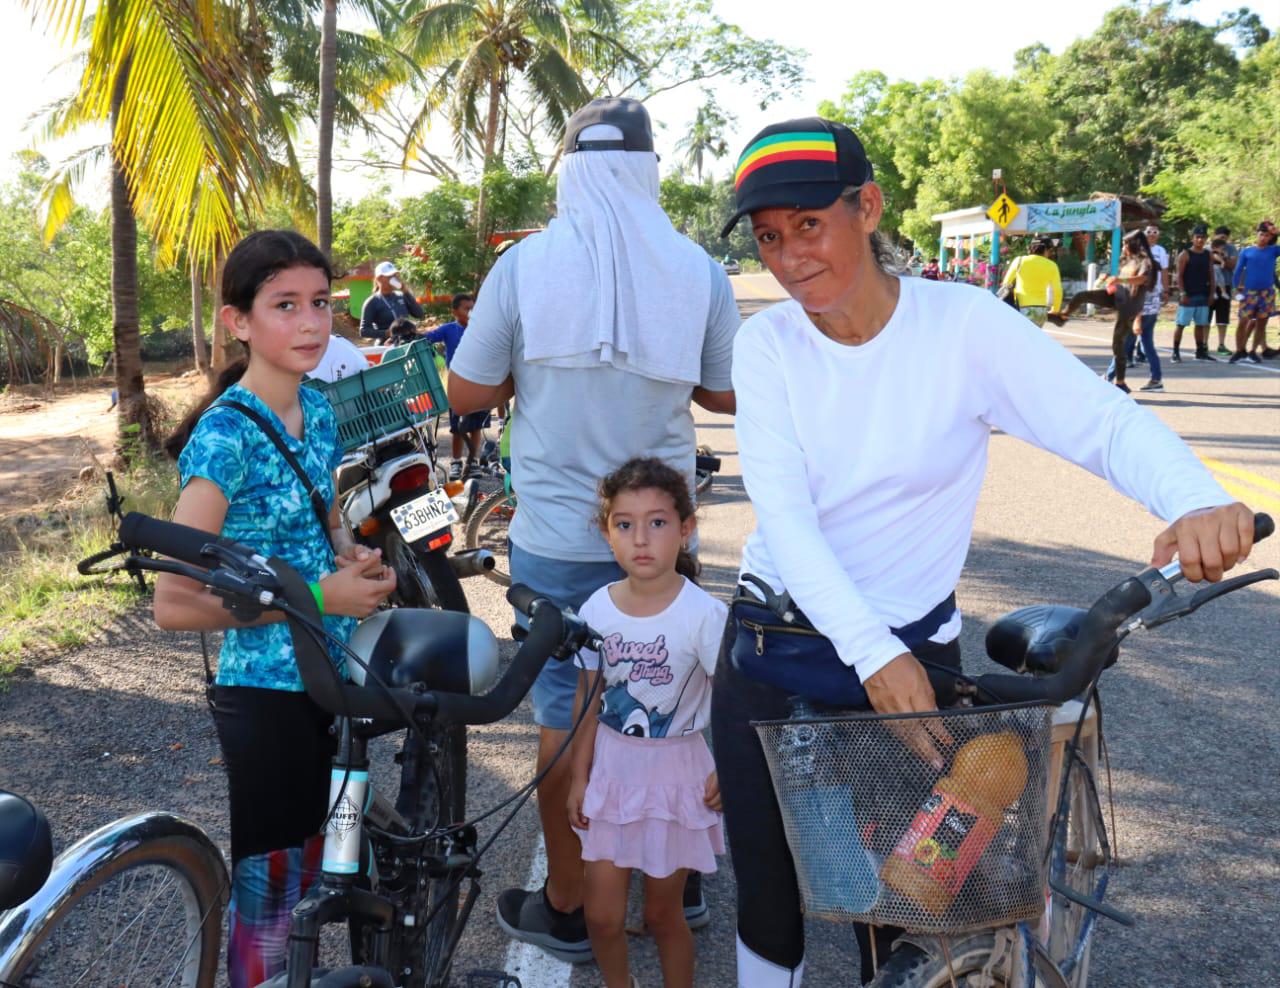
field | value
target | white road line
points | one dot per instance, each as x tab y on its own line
1098	339
534	967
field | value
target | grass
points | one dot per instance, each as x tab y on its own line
45	605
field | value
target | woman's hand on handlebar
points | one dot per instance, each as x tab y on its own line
901	687
1207	542
352	592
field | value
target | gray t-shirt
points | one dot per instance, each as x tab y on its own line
572	426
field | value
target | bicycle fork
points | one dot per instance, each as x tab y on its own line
335	895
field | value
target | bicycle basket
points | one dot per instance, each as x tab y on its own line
403	390
879	836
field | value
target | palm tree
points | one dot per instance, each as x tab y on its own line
706	136
476	47
180	160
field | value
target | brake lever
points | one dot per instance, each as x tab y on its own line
1167	605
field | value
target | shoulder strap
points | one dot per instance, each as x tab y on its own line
316	498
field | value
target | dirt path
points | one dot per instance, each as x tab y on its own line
46	441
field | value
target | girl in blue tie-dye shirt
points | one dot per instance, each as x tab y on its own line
235	482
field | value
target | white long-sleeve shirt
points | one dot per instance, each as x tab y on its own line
889	442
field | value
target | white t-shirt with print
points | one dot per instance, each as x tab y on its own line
657	669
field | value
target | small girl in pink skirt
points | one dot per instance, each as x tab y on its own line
644	792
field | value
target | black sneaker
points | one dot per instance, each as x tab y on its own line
1122	386
1152	386
1206	355
1237	357
529	917
455	470
1253	358
1177	357
1270	353
471	469
1057	318
696	912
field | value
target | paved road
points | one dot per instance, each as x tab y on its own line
1194	747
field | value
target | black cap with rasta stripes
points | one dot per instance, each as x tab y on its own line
798	164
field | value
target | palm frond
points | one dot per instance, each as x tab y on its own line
442	30
57	199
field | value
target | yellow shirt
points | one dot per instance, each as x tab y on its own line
1032	276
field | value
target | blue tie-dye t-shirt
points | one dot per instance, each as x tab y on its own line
268	509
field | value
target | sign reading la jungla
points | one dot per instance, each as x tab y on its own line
1065	217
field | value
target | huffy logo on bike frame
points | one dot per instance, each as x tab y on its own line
345	818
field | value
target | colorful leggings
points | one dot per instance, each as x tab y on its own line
277	749
264	890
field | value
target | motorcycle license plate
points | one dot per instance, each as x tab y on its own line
424	515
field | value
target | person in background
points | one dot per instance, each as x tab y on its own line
1255	275
1126	294
1036	281
1135	349
1195	281
1224	255
604	326
342	358
391	300
931	272
467	428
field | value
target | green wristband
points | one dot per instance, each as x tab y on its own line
318	594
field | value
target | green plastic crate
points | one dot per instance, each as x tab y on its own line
403	390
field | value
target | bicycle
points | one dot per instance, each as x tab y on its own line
97	910
879	836
394	873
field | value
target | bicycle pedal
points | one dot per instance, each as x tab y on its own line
492	979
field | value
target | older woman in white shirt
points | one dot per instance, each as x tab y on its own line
882	393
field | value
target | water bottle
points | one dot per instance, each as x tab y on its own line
838	869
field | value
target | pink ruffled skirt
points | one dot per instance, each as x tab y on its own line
645	804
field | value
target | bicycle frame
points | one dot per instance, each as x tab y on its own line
339	895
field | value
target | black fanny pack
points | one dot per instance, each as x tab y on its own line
794	656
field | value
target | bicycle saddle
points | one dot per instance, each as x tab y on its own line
1036	639
443	650
26	851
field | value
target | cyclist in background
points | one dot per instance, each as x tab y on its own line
871	549
469	427
235	482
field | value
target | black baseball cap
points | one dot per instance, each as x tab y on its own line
628	115
797	164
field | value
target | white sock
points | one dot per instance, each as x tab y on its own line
756	972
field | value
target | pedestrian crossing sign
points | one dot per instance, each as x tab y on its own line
1003	211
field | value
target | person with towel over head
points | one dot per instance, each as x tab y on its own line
605	326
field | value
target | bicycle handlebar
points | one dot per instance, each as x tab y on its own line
243	574
1094	642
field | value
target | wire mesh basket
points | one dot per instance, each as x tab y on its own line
881	836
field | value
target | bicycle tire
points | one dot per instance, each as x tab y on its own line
702	479
424	579
487	529
32	952
911	967
119	558
1080	832
417	954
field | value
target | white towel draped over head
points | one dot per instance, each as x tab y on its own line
610	281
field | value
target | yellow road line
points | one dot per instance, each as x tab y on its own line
1256	501
1217	466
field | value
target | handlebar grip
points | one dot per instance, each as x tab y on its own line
546	631
1092	646
522	598
1264	526
711	464
181	542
